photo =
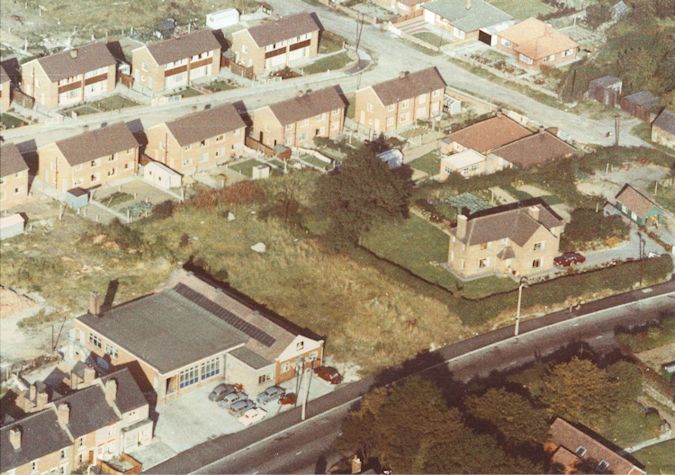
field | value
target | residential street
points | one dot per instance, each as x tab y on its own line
386	66
466	359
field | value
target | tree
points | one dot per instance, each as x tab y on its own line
597	14
511	414
581	391
360	193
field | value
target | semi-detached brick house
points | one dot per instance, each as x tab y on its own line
534	43
176	62
505	241
390	105
70	77
90	159
60	430
295	122
277	44
13	177
197	141
191	332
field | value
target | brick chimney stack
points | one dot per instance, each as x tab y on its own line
461	226
94	304
73	53
110	391
42	400
89	375
63	414
534	212
32	392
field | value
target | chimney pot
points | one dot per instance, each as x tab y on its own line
73	53
468	4
15	437
63	414
461	226
94	304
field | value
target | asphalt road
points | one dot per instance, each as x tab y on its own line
474	357
390	56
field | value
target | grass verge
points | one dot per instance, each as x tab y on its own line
330	63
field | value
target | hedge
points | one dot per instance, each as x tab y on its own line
618	278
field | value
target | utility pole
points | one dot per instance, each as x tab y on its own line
304	402
641	244
523	283
617	129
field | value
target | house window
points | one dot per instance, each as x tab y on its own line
525	59
536	263
244	49
369	107
219	138
63	453
313	356
111	172
300	346
93	177
202	143
289	127
111	158
93	163
405	104
549	58
111	350
188	377
336	112
263	378
581	451
568	52
34	466
483	263
144	67
81	442
506	43
210	368
391	107
305	122
323	116
538	246
437	93
603	466
187	161
95	340
285	368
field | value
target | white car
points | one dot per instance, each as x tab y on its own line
252	416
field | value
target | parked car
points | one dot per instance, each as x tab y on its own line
288	398
252	416
569	259
220	391
232	398
240	407
329	374
270	394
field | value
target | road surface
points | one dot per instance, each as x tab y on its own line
390	57
477	356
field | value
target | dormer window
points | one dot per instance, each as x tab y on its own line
581	451
603	466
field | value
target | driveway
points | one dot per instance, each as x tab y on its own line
626	250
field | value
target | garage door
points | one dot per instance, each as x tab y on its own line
275	61
200	72
297	54
485	37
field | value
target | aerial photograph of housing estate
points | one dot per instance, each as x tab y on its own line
337	236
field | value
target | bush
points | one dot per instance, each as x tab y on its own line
618	278
163	210
589	229
245	192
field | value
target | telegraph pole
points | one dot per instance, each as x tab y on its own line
523	283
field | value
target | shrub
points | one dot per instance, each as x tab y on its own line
163	210
245	192
588	229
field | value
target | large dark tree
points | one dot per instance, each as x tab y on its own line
360	193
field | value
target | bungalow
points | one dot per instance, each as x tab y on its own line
663	129
641	104
638	207
536	149
197	141
176	62
505	241
295	122
569	447
191	332
467	163
88	160
70	77
391	105
486	135
277	44
534	43
465	18
13	177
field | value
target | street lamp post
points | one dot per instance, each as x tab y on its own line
641	251
523	283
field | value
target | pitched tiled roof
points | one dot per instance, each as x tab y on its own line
41	435
644	99
517	224
636	201
481	14
604	81
76	61
536	39
409	85
489	134
534	150
205	124
11	160
665	121
564	434
89	411
129	396
174	49
97	143
285	28
308	105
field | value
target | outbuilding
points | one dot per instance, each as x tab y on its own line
161	176
222	18
605	89
11	226
641	104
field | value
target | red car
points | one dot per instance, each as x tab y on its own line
329	374
288	398
569	259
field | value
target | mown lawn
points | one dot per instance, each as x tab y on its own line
8	121
331	63
431	38
522	9
245	167
658	458
113	103
429	164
